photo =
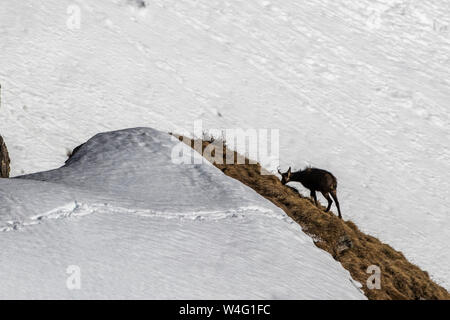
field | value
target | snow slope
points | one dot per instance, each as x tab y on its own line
360	88
139	226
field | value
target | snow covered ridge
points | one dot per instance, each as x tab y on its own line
357	251
131	224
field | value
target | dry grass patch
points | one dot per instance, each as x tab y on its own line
355	250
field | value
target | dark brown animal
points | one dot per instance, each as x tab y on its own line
315	180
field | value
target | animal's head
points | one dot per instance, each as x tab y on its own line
286	176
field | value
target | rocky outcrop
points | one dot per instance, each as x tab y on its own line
4	160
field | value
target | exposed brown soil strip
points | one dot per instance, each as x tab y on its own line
355	250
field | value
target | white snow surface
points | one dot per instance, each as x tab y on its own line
360	88
138	226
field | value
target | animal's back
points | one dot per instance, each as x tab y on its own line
325	179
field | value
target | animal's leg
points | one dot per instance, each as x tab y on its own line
327	196
313	195
333	194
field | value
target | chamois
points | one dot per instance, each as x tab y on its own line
315	180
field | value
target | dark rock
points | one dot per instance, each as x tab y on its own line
70	155
344	243
4	160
